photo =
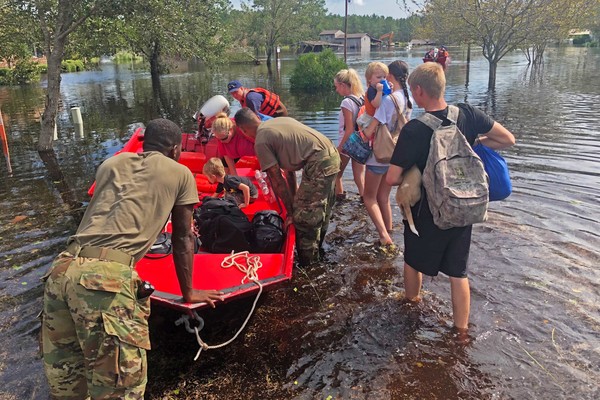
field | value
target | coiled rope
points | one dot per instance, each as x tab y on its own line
250	271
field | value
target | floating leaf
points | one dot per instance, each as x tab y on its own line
176	391
419	364
18	218
295	289
295	382
16	267
23	283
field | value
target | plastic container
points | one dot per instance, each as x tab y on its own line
213	106
386	87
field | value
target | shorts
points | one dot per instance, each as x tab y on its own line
377	169
436	250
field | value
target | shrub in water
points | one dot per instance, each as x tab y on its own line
72	66
25	71
315	72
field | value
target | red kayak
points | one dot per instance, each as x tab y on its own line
208	270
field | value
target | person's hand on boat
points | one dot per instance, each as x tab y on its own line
243	205
205	296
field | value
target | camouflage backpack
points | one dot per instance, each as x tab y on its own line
454	177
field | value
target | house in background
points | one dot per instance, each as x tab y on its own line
331	36
355	41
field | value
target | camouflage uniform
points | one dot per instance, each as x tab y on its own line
313	203
94	330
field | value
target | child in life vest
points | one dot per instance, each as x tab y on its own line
240	188
375	73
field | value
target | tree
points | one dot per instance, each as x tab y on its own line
17	36
159	29
275	22
56	20
499	26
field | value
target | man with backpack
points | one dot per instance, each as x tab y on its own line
284	143
444	223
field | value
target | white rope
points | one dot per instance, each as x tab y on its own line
250	271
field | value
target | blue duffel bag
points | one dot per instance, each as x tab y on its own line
497	170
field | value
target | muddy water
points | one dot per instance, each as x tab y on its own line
339	330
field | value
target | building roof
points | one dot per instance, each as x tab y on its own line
331	32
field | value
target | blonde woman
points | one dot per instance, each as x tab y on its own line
377	190
233	144
347	83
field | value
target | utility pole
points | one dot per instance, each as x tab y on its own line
346	34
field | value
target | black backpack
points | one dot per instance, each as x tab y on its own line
267	232
222	226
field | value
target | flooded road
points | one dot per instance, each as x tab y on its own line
340	330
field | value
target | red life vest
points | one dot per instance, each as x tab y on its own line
270	105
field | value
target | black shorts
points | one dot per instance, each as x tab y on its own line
436	250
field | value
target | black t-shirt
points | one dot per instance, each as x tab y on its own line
231	183
414	140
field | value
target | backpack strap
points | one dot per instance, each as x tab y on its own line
399	114
359	101
452	114
430	120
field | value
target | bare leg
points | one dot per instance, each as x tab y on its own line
339	187
372	182
383	199
412	283
358	171
461	302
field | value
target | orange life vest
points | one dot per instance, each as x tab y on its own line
270	105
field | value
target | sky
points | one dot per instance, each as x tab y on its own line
387	8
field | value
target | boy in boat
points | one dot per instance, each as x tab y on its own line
239	187
96	307
284	143
438	250
258	100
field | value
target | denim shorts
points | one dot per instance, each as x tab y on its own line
377	169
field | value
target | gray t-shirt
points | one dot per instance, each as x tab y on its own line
288	143
133	198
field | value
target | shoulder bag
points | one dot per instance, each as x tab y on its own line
385	141
357	147
497	170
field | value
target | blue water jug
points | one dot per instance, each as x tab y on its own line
386	87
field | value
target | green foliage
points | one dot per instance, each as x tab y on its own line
581	39
315	71
270	23
72	66
123	57
5	76
25	71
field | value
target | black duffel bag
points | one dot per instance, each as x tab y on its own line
267	232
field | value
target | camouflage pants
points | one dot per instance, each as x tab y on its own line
94	330
312	206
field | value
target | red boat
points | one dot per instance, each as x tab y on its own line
208	272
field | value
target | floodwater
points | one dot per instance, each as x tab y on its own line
340	330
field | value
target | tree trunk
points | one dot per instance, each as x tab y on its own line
468	53
492	74
52	97
155	67
269	54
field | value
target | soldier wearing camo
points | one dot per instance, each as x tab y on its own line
286	144
94	328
